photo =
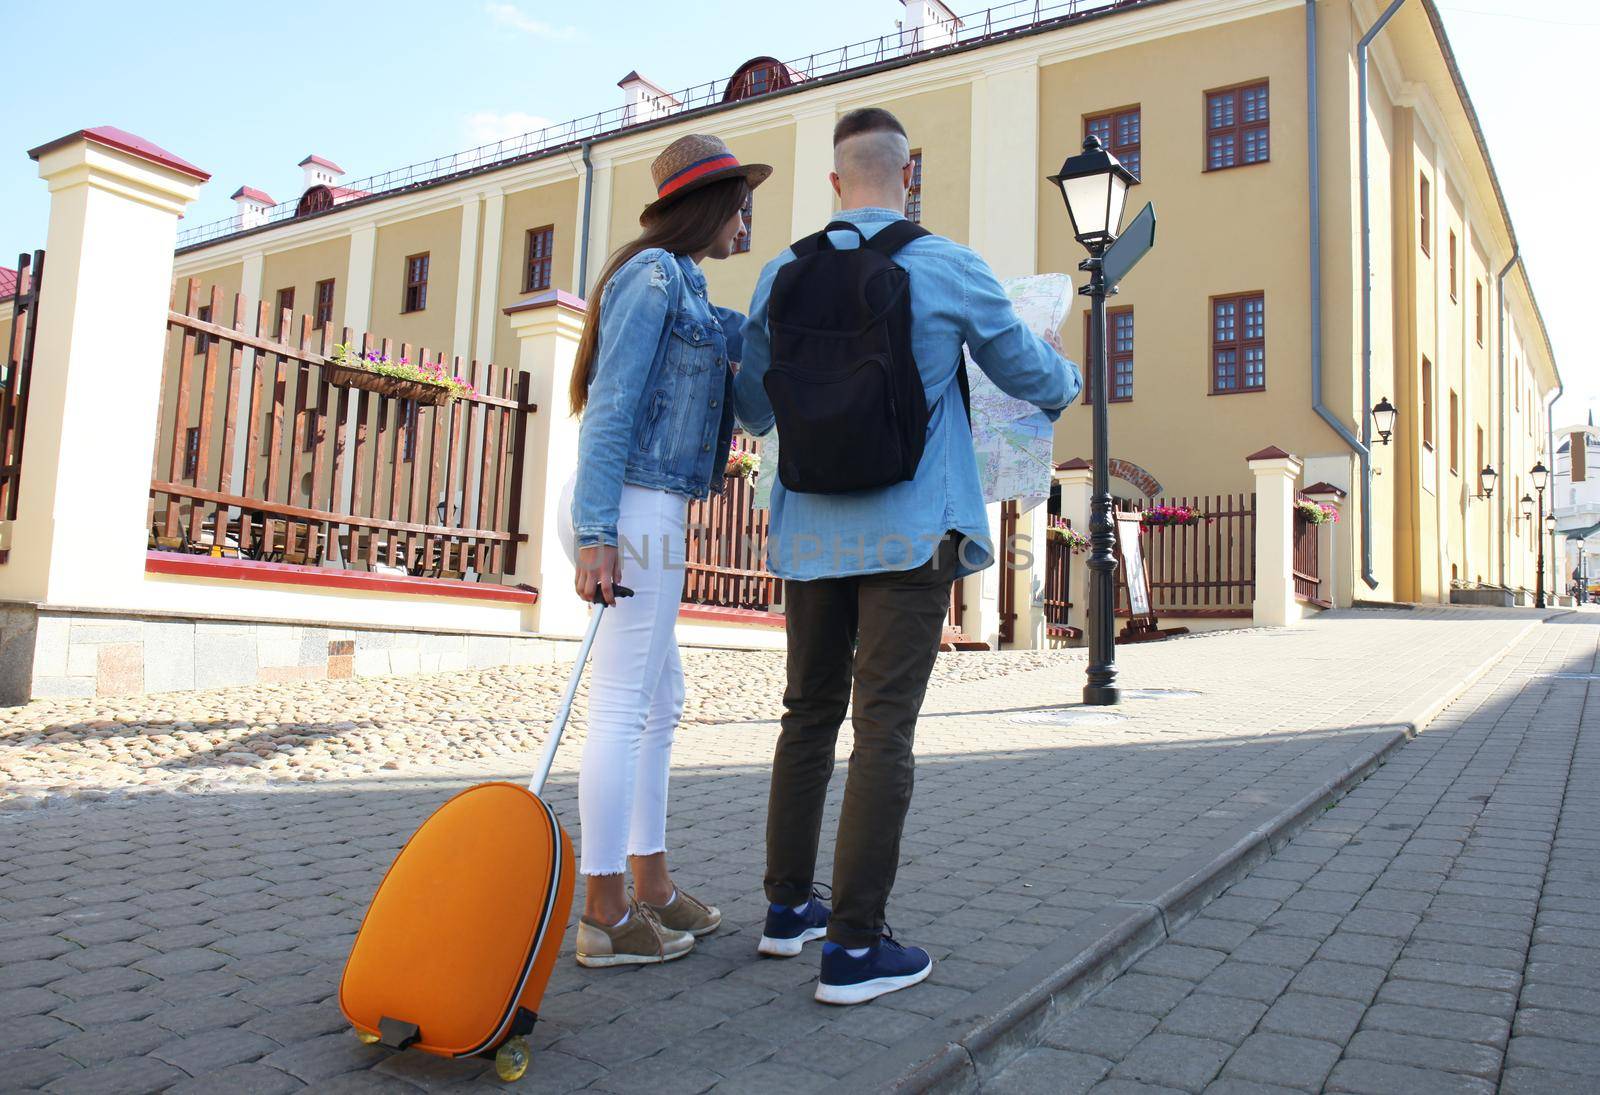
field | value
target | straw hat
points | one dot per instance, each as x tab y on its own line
691	162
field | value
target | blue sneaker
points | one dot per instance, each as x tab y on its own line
886	967
787	931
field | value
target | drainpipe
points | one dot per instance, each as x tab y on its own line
1314	198
1500	337
588	204
1366	297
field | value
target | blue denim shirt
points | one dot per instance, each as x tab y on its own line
955	299
660	411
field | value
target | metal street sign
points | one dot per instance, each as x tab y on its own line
1131	246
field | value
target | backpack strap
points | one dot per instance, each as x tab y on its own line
966	386
886	241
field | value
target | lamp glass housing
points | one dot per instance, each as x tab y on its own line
1094	185
1487	479
1527	507
1550	522
1540	475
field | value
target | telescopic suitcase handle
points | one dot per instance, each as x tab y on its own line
536	784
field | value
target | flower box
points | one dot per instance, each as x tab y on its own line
1163	516
427	383
1315	513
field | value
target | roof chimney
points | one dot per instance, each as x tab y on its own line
253	206
928	24
319	172
643	101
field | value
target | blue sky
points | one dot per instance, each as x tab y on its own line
246	93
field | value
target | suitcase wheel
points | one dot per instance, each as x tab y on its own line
511	1059
367	1039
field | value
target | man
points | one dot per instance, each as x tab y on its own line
868	576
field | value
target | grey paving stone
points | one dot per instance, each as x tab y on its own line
1454	973
1360	949
1248	981
1285	1060
1384	1078
770	1078
239	1080
1173	960
1438	1023
1046	1071
318	1060
1271	949
1537	1052
214	1050
32	1068
1520	1080
1219	1018
1438	1054
130	1076
1435	996
1143	993
1102	1031
108	1042
1325	1017
1173	1060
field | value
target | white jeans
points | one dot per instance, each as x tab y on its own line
635	685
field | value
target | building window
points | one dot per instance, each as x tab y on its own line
191	452
1118	131
416	289
1455	434
1477	309
202	341
1238	343
1237	126
1427	404
1119	355
1425	220
914	194
747	213
1452	265
285	305
324	315
541	251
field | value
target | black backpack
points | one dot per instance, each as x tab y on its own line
845	389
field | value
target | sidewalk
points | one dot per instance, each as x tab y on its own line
1434	931
195	940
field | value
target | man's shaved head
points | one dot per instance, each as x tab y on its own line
869	148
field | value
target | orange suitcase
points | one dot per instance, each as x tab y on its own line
458	944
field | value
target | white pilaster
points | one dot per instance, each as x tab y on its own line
813	161
1077	492
1005	175
494	218
81	533
358	280
466	278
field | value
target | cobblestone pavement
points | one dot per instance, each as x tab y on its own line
195	940
311	731
1437	930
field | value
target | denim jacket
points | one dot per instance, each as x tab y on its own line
955	299
660	411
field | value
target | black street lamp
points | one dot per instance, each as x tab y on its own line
1383	416
1486	481
1527	507
1540	476
1095	188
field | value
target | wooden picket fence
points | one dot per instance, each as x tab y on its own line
1307	566
1057	586
725	551
1206	569
15	381
262	456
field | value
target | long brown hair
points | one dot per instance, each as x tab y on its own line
687	226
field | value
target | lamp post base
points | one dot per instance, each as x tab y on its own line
1101	695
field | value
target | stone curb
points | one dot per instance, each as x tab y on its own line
984	1033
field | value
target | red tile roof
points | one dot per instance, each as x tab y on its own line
8	282
253	194
120	139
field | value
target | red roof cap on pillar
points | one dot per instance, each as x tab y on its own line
550	298
123	141
252	194
1271	452
321	162
1077	463
1325	488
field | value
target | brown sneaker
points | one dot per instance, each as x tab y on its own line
639	941
687	914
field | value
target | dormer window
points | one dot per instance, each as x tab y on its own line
759	76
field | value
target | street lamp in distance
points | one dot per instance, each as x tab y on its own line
1383	417
1486	481
1540	476
1094	186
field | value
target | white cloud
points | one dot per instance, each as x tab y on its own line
509	15
487	126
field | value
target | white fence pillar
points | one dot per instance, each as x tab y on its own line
1076	477
82	527
1033	546
548	326
1276	472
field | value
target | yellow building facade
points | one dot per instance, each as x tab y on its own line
1244	118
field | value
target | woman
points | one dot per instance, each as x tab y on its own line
653	383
